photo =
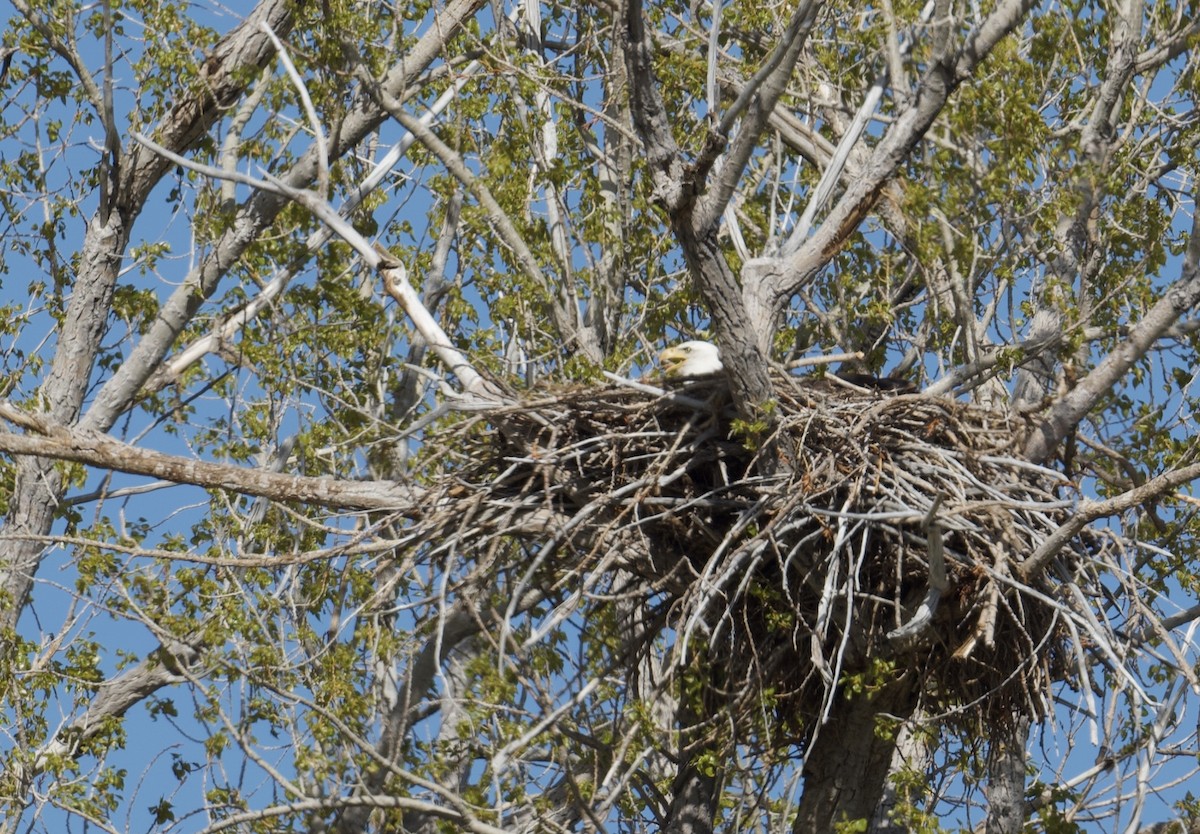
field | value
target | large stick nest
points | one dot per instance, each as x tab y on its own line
883	545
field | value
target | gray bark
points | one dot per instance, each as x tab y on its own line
1006	777
94	449
846	769
694	793
913	752
37	487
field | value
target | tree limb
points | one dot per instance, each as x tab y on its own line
1182	297
58	442
758	97
223	78
650	114
259	211
1089	511
930	98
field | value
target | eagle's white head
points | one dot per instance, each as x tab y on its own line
689	360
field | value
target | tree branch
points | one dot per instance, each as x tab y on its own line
931	96
122	388
835	168
759	97
223	78
562	306
1179	299
650	114
57	442
1089	511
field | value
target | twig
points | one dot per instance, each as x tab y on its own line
309	110
391	268
828	359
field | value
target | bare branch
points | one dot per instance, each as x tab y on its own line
122	388
163	667
562	306
395	275
833	173
322	145
931	96
649	113
224	79
744	340
299	806
754	106
60	443
1088	511
1180	299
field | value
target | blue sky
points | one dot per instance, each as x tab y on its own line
147	759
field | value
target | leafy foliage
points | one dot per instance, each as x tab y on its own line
192	652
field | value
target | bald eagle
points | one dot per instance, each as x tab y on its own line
691	360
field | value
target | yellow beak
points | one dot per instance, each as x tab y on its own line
671	359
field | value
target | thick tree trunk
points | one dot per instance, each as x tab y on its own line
694	804
694	794
37	486
846	769
1006	777
741	339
